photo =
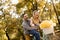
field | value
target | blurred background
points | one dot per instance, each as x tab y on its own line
11	12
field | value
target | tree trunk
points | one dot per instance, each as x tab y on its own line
55	11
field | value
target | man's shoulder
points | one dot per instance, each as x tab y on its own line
23	23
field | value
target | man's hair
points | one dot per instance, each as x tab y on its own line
23	14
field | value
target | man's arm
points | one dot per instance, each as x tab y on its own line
26	27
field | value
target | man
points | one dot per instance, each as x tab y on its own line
28	29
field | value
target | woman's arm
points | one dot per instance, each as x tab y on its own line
31	22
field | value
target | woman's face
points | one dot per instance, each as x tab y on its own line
36	15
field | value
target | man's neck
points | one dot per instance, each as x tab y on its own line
25	19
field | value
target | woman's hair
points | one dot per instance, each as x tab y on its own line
35	12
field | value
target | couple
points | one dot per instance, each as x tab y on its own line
31	26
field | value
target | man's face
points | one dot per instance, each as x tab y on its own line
25	16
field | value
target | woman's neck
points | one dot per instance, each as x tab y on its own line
35	18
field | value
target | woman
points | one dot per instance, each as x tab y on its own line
34	22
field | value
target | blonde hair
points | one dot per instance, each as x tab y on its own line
35	12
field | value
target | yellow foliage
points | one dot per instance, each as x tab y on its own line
45	24
29	5
2	23
42	3
20	1
54	20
